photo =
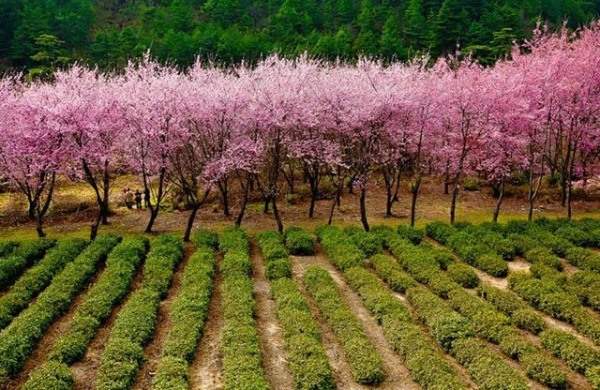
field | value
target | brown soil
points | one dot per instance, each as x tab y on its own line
206	369
272	345
397	375
152	351
518	265
50	336
84	371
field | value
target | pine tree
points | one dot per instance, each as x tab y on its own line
391	42
415	26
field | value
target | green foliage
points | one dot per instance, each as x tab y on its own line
306	357
410	233
136	321
36	278
389	270
363	358
299	242
583	258
463	275
578	356
50	375
20	337
339	247
188	314
278	264
369	243
20	258
425	363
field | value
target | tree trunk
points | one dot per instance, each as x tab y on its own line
224	190
397	190
104	204
363	209
389	195
498	203
313	200
240	216
267	202
453	203
38	226
447	180
413	203
153	215
276	215
190	223
95	226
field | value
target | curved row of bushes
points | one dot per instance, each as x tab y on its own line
242	368
578	356
7	247
36	278
275	254
586	285
496	328
548	296
134	325
583	258
369	243
96	307
299	242
188	315
388	269
339	247
18	340
305	354
455	334
364	360
425	363
472	248
19	258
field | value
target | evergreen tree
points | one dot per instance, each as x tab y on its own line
415	26
391	42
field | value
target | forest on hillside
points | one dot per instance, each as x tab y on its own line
41	35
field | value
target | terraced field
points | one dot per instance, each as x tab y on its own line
511	306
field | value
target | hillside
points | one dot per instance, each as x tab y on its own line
48	33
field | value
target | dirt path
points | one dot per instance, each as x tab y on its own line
51	335
207	367
518	264
397	375
270	334
153	350
84	371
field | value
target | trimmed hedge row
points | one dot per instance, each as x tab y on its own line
36	278
19	258
242	367
463	275
541	255
586	285
578	356
552	299
339	247
454	333
274	252
389	270
585	259
427	366
495	327
367	242
306	357
299	242
188	314
18	340
364	360
96	307
510	304
134	325
410	233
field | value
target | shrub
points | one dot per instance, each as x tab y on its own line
425	363
543	256
578	356
463	275
410	233
439	231
306	357
203	238
339	247
50	375
278	264
299	242
7	247
367	242
363	358
36	278
188	314
383	232
529	320
586	285
389	270
583	258
21	257
522	243
136	321
492	264
471	184
18	340
242	368
485	368
575	235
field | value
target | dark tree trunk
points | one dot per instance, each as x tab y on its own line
95	226
240	216
224	190
498	203
104	204
154	209
453	203
267	202
190	223
413	203
363	209
276	215
153	215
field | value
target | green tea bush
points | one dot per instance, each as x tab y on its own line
188	314
383	232
439	231
50	375
426	364
367	242
522	243
579	356
586	285
528	319
389	270
278	264
36	278
575	235
20	258
135	323
541	255
242	363
410	233
204	238
463	275
18	340
339	247
585	259
364	360
306	357
7	247
299	242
